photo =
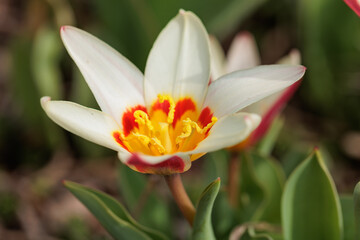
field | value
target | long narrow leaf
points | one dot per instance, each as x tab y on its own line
202	228
111	214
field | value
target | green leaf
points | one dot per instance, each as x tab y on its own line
138	192
223	216
251	191
202	228
347	206
111	214
357	209
131	185
47	52
272	178
252	231
310	203
231	14
267	143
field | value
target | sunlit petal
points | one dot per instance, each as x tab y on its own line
239	89
115	82
228	131
179	62
88	123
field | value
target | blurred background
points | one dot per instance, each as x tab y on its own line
36	155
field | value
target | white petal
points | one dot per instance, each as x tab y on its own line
243	53
115	82
218	60
239	89
88	123
166	164
228	131
179	62
262	106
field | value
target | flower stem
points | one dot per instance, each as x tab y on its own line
181	198
233	184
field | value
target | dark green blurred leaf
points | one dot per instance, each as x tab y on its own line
231	14
47	51
310	204
267	143
223	216
270	174
202	228
111	214
138	192
251	192
357	209
216	165
261	230
131	185
347	207
331	58
25	92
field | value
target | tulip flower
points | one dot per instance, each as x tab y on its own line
162	120
243	54
354	5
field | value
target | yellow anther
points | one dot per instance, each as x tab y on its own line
189	125
148	142
187	130
171	113
156	143
142	118
142	138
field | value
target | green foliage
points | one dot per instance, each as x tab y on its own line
47	52
251	192
310	204
202	228
271	176
138	193
357	209
347	207
111	214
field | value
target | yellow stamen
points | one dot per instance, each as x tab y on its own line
149	142
171	113
156	143
142	138
142	118
189	125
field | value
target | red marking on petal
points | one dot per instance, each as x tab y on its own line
354	5
205	117
164	106
273	111
182	106
173	164
128	119
117	137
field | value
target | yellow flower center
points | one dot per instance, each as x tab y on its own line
167	128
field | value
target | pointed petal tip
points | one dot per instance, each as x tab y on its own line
182	11
44	100
64	28
244	34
